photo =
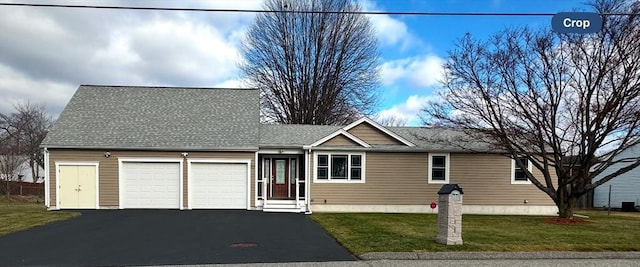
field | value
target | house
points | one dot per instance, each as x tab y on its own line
120	147
22	172
624	188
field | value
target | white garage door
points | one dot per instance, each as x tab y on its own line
151	185
218	185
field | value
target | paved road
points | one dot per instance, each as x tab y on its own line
162	237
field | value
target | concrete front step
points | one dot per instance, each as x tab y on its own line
296	210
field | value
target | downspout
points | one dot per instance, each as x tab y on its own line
47	193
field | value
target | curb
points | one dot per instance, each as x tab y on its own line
497	255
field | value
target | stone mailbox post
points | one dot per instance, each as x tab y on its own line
450	215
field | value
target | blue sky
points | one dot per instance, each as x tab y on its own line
46	53
433	36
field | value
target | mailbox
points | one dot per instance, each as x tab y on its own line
450	215
449	188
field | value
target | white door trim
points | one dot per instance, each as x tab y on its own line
77	163
241	161
47	179
255	159
121	194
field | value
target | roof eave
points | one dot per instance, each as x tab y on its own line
242	149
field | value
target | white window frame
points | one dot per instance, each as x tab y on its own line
513	172
344	181
447	166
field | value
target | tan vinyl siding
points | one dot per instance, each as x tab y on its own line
390	178
340	140
372	136
401	178
486	180
108	169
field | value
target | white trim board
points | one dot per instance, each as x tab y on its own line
284	151
467	209
255	176
47	179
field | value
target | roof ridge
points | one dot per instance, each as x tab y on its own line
163	87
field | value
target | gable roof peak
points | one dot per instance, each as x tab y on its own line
380	128
343	133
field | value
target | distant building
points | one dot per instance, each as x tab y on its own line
624	188
24	172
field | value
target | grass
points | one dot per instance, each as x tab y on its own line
18	214
362	233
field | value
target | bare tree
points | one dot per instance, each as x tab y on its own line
11	161
568	103
10	167
312	67
22	132
37	125
391	120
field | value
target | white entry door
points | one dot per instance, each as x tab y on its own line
218	185
151	185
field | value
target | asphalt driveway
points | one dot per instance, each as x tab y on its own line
157	237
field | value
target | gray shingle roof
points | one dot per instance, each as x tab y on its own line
425	139
442	139
293	134
158	118
169	118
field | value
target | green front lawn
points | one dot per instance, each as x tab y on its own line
19	214
362	233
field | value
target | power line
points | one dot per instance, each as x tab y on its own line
404	13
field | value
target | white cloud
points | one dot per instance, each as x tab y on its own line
183	51
232	83
18	88
408	110
420	71
391	31
46	53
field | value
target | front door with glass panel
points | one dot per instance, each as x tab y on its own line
280	178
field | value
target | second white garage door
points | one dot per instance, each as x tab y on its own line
151	185
218	185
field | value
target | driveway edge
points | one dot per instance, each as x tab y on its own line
498	255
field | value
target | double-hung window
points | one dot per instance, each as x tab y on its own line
518	174
339	167
438	168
